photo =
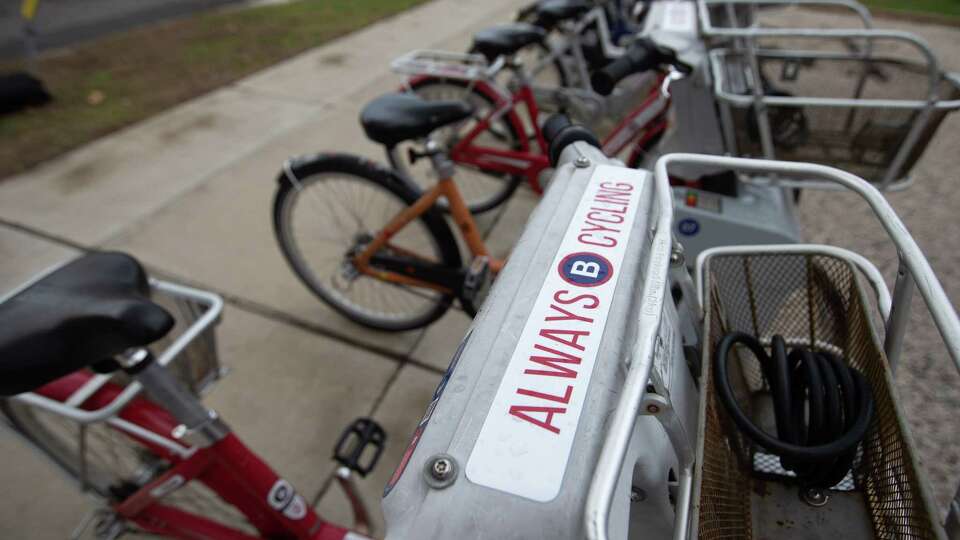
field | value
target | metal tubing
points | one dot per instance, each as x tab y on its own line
759	105
164	388
718	59
869	271
896	322
610	463
146	434
944	316
708	29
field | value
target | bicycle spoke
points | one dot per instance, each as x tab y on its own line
372	206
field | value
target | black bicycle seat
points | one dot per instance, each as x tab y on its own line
90	310
394	118
551	12
506	39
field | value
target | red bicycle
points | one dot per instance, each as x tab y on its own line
162	464
500	147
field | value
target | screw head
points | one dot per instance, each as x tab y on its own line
441	468
179	432
582	162
814	496
637	495
653	409
440	471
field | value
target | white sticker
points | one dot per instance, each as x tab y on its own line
297	509
526	438
679	17
283	498
280	495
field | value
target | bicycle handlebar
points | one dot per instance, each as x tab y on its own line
642	55
560	132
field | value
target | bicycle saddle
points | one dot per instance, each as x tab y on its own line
552	12
394	118
91	309
506	39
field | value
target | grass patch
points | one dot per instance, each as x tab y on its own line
950	8
117	80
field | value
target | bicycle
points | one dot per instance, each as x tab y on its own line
76	356
581	38
503	143
396	264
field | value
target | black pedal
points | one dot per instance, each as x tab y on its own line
360	446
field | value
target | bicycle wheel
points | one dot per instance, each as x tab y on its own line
545	75
335	206
116	465
482	190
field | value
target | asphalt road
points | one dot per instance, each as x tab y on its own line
64	22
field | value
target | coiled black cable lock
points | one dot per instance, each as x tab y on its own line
822	408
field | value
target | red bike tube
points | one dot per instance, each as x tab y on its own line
228	468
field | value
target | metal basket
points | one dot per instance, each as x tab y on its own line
863	100
868	114
813	299
724	20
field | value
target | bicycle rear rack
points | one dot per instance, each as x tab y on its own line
189	352
445	64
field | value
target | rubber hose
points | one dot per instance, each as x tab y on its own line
822	407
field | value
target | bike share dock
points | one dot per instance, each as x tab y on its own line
195	206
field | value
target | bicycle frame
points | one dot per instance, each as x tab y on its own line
227	467
461	215
573	45
642	125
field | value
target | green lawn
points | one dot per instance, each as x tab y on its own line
950	8
112	82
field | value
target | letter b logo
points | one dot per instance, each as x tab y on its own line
585	269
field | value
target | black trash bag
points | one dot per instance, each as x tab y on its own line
20	90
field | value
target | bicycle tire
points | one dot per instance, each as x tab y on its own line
116	464
327	166
506	134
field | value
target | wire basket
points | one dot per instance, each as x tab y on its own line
814	300
868	114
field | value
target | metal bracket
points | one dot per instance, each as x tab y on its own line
660	407
204	434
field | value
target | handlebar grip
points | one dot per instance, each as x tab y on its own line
641	56
560	132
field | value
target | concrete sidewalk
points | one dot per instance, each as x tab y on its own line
189	193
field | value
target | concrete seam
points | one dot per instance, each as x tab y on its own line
249	305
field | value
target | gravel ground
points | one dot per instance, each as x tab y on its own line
927	381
